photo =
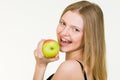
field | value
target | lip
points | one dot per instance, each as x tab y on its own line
64	42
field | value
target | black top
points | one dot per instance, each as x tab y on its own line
85	76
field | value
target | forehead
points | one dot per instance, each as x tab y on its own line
73	18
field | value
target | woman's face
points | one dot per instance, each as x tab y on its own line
70	32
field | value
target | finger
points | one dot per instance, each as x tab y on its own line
40	43
35	52
39	47
57	57
54	59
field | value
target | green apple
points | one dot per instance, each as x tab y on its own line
50	48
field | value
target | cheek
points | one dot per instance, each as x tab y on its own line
78	39
59	29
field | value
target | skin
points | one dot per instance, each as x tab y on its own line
70	28
70	38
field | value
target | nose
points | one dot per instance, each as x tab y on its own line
65	31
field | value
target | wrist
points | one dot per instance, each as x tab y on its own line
39	71
41	65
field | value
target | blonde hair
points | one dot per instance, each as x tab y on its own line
94	52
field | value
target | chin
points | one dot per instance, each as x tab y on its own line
64	50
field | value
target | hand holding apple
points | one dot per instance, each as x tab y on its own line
50	48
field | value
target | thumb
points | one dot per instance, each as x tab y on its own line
55	58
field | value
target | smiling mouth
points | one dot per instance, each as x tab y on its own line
65	42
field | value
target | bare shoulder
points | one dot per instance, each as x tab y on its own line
69	70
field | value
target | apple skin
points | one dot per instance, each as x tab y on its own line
50	48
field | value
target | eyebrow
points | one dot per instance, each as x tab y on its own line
61	20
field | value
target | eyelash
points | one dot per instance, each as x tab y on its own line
77	30
63	23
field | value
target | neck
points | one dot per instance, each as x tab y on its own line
74	55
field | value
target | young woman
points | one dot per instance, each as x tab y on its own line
80	33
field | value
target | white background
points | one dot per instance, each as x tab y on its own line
24	22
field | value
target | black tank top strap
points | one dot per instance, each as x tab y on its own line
50	77
85	76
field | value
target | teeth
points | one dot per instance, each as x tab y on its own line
64	40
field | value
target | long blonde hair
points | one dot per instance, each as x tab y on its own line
94	54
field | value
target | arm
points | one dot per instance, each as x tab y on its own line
39	72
